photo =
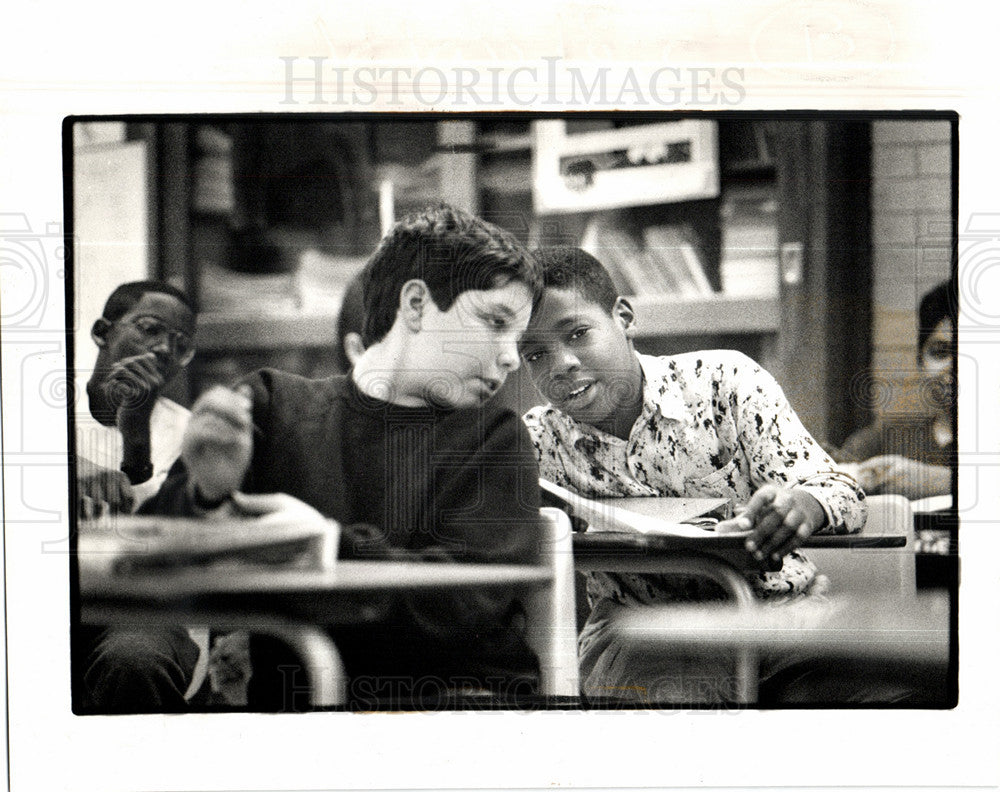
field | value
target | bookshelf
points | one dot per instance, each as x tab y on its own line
794	185
667	305
225	332
785	246
668	316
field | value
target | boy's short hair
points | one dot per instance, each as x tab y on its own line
938	304
565	267
124	297
452	252
349	320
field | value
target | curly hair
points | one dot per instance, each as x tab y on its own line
565	267
124	297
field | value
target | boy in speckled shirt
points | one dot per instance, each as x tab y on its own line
706	424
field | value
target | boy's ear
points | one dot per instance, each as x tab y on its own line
623	313
99	332
353	347
413	299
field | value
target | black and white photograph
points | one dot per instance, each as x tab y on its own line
359	426
562	418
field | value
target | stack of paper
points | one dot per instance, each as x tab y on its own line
124	545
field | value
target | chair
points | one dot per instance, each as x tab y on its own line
551	627
552	611
883	571
870	577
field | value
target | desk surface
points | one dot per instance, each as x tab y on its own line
854	626
352	592
346	577
606	549
626	541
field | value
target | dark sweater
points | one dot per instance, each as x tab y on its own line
404	483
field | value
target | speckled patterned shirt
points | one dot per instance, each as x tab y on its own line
713	424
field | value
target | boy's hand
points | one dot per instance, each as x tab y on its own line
133	386
897	475
229	667
780	520
218	441
102	490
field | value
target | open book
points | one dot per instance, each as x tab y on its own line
692	517
128	544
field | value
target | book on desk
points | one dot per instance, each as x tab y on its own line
644	531
122	545
688	517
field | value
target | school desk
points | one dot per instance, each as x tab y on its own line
912	635
722	558
611	543
155	570
286	603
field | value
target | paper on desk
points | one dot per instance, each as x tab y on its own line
627	514
124	544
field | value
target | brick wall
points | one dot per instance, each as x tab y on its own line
911	238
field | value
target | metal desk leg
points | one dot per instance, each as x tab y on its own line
747	671
712	567
327	680
747	662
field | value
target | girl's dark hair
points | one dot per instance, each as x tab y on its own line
565	267
452	252
938	304
123	298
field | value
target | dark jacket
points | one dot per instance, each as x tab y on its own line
404	483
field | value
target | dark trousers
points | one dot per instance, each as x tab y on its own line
133	671
398	668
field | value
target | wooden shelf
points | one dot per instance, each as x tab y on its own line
722	315
656	316
229	332
501	143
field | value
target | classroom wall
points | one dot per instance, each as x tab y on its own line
911	237
110	228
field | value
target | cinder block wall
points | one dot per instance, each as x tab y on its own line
911	237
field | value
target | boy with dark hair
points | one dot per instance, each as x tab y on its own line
124	450
449	250
705	424
350	320
404	452
913	455
144	339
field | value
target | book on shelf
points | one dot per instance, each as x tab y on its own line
651	276
613	248
671	250
749	256
688	517
664	262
